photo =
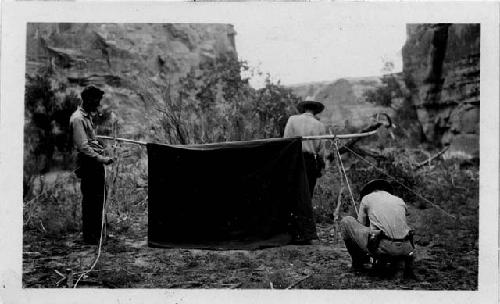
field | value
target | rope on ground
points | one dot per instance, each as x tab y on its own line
403	185
427	161
345	176
299	281
103	219
103	215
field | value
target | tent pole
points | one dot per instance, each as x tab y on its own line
339	136
315	137
142	143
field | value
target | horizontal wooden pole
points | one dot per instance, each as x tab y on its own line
315	137
143	143
339	136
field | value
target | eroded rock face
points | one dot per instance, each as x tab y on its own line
127	61
441	65
132	63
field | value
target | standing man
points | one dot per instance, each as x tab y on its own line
381	230
90	163
307	124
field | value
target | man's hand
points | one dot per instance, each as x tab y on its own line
106	160
96	146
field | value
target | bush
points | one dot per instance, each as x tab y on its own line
54	204
47	138
214	103
384	94
446	184
359	173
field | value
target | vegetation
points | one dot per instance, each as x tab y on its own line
385	94
447	248
213	104
394	93
46	126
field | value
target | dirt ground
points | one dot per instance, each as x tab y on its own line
446	259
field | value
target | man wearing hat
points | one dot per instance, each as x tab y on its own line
90	163
381	230
307	124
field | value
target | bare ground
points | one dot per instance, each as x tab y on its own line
446	258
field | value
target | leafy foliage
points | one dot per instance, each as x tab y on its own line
216	106
394	94
214	103
385	94
47	139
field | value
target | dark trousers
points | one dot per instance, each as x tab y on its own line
313	170
93	189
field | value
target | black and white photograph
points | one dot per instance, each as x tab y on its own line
255	153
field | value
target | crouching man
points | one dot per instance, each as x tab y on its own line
380	231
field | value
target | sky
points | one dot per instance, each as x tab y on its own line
294	52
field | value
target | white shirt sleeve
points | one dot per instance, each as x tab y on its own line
288	128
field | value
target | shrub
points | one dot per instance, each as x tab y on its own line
47	139
384	94
214	103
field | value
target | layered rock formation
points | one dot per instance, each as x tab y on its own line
344	101
129	61
441	66
137	65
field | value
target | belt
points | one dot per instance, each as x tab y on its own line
408	237
374	240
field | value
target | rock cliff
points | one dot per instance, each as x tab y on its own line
126	60
135	64
441	67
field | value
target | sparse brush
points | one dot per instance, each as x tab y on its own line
445	184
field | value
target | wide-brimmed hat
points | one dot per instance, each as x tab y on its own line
310	104
376	184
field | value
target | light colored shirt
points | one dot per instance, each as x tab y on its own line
306	125
385	212
83	133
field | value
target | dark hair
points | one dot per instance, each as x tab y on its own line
91	96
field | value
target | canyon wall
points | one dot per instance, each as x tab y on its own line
136	65
441	68
128	61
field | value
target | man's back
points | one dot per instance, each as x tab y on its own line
306	125
385	212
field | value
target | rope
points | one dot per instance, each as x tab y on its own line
401	184
101	235
345	177
103	221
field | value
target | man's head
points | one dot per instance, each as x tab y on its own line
376	185
310	105
91	98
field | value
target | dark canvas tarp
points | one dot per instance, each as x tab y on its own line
240	195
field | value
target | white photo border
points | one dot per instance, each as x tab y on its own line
16	15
